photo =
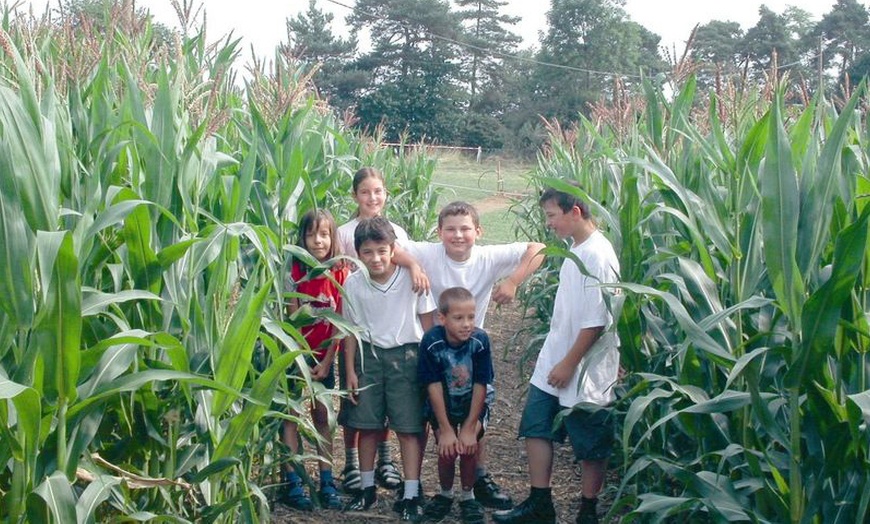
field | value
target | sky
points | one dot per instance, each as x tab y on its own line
261	23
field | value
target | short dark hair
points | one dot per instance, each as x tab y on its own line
459	209
377	229
451	296
310	221
566	201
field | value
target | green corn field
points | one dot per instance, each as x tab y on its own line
148	209
743	241
147	216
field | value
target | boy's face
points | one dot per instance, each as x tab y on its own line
458	322
377	257
458	234
562	223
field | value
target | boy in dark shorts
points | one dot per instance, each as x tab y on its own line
455	368
578	363
382	372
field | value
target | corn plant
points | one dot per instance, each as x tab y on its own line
147	212
742	314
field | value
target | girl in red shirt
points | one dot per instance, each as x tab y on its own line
317	288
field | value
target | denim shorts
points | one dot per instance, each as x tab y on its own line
591	432
389	390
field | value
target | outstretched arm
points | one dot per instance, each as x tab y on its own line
531	260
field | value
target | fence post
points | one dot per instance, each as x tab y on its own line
479	151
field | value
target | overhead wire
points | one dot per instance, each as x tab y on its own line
499	54
491	52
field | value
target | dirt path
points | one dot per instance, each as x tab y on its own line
507	460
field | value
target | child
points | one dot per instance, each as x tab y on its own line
578	363
488	272
317	236
382	373
370	194
455	368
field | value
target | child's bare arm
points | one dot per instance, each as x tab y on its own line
468	431
447	441
561	374
321	370
349	369
506	290
403	258
292	306
427	320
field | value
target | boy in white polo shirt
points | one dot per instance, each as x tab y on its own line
488	272
382	374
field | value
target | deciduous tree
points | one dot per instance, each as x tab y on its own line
589	42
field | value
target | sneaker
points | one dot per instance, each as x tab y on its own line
296	498
472	512
388	476
328	496
351	480
412	509
530	511
587	514
488	493
364	500
438	507
400	496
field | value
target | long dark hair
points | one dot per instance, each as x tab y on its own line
310	221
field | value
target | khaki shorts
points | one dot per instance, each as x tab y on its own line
389	390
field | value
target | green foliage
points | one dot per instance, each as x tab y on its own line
146	215
742	309
844	34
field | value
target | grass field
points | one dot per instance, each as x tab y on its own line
491	185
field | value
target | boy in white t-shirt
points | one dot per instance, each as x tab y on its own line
488	272
382	372
578	362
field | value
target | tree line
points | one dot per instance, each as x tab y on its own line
454	71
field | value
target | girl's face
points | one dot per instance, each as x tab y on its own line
318	240
370	196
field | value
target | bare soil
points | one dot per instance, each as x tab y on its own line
507	458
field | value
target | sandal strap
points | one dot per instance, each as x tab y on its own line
352	478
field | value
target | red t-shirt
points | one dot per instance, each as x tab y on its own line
323	295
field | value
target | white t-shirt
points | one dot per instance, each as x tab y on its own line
580	304
387	313
345	236
486	266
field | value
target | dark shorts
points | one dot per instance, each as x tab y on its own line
296	382
389	390
591	432
484	422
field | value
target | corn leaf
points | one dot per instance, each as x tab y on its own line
56	492
780	210
233	357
